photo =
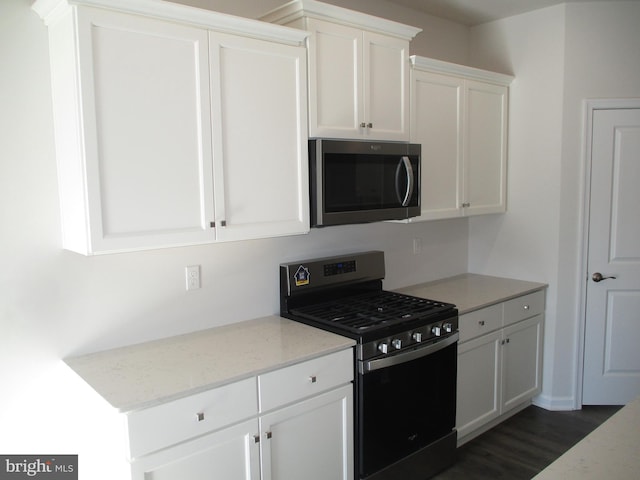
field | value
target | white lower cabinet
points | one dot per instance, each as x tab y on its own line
479	382
287	424
309	440
231	453
499	362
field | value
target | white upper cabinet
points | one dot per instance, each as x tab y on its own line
174	128
260	138
459	115
358	71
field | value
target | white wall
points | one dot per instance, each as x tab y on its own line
559	56
55	303
523	243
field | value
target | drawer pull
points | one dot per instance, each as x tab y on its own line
526	307
200	416
256	438
313	379
481	323
269	435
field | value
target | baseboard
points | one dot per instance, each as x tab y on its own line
554	403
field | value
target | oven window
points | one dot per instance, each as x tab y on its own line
404	408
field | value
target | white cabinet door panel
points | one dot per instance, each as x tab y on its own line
436	124
479	382
486	144
229	454
260	151
521	362
310	440
386	87
335	75
147	131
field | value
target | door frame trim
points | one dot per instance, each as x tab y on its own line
589	107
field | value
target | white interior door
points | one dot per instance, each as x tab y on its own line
612	328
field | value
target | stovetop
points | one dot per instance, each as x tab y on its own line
369	311
344	295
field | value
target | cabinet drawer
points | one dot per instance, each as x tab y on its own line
158	427
305	379
523	307
479	322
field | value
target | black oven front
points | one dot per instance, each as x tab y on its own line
405	414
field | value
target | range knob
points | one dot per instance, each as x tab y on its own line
447	327
437	331
383	347
397	343
417	336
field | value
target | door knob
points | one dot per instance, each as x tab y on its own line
598	277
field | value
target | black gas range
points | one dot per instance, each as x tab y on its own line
405	361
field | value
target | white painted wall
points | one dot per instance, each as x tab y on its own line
55	303
560	56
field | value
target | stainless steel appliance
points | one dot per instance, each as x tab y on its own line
359	182
405	361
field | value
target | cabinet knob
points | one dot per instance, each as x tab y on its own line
256	438
369	125
466	204
268	435
363	125
526	307
200	416
313	379
481	323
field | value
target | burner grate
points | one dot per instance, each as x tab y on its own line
370	310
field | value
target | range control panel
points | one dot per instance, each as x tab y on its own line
339	268
407	340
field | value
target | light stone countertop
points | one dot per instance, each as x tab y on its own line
143	375
611	451
471	291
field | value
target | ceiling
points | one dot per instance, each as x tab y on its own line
474	12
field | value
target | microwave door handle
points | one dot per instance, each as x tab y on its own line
406	163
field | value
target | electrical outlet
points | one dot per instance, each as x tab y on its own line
193	277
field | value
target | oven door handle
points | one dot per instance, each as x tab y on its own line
371	365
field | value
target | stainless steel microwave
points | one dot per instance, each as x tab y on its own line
359	181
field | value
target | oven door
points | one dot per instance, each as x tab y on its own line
405	403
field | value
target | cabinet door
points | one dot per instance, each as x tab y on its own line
311	440
486	148
229	454
386	87
260	138
479	377
336	106
145	133
436	124
521	362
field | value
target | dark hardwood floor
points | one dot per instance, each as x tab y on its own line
525	444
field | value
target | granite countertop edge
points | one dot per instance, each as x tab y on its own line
471	291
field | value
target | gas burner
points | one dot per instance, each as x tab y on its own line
370	310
